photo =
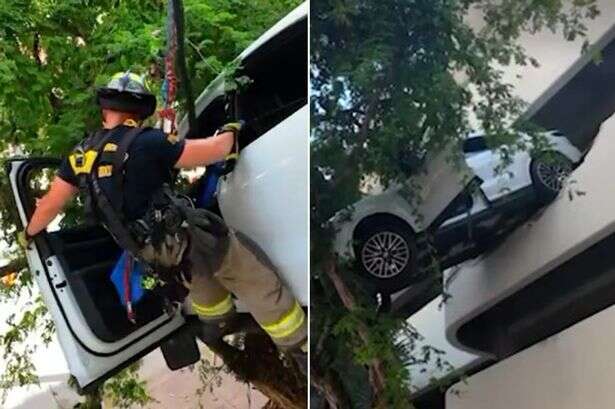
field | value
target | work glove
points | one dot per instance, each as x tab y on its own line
209	239
9	279
234	127
231	158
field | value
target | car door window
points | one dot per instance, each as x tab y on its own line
213	117
461	206
278	82
475	144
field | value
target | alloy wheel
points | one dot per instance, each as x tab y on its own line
385	254
552	174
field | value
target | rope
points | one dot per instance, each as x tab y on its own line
175	57
128	268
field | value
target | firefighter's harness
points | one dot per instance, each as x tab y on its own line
98	157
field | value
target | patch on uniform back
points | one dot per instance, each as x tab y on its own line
110	147
105	171
82	162
172	138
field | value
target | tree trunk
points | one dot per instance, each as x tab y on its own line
261	364
376	367
329	388
377	370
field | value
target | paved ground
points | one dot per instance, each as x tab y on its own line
172	390
177	389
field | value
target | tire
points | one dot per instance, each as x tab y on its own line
375	239
549	172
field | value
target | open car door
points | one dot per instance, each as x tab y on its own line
71	265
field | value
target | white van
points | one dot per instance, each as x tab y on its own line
265	197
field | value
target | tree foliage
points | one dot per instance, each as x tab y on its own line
52	56
391	80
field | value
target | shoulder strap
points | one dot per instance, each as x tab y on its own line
119	162
113	215
113	221
83	160
84	154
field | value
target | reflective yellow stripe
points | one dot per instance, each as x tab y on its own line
82	162
232	156
288	324
214	310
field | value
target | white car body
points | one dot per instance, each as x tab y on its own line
265	197
441	182
477	286
495	186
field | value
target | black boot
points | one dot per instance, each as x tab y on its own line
209	332
214	331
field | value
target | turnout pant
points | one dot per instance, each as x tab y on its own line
245	271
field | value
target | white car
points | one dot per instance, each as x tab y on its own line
389	238
265	197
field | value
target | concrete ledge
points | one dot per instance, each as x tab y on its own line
570	370
561	231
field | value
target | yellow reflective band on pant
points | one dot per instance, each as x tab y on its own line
288	324
214	310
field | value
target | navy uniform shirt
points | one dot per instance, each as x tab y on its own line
151	159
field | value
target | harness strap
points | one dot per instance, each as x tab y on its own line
92	145
112	215
128	268
88	148
119	162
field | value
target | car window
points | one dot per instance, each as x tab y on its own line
278	87
461	205
475	144
213	117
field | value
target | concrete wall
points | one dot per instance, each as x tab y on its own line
567	91
571	370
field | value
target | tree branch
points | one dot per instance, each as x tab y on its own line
376	366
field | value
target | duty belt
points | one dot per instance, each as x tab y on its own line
164	216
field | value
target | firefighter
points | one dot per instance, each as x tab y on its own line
126	170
